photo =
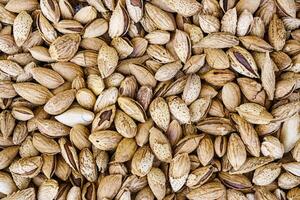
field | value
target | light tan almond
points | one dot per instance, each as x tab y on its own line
64	47
160	145
22	27
33	92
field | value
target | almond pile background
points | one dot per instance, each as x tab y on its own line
144	100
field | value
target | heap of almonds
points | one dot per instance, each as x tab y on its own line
144	100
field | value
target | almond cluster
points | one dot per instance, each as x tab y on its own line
150	99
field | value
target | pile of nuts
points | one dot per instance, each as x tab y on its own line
144	100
